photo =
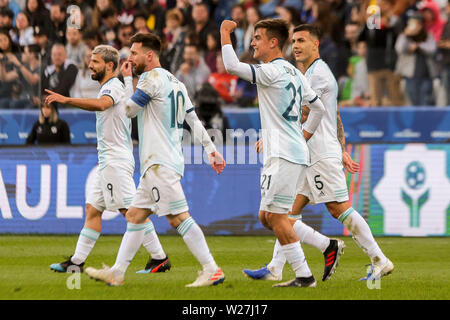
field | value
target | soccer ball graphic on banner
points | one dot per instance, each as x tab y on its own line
415	175
413	191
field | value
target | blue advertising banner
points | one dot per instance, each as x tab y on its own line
400	190
362	125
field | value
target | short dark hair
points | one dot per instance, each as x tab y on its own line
275	28
148	40
313	30
7	12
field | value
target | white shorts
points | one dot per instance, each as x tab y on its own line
325	182
278	185
160	191
113	188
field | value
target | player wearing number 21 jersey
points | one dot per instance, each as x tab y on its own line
282	90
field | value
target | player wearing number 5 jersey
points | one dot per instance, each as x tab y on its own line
161	104
282	90
113	187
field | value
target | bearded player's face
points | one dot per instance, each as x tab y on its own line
98	67
138	58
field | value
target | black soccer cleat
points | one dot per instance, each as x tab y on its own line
157	265
298	282
67	266
331	256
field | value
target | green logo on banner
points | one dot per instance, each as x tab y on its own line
415	177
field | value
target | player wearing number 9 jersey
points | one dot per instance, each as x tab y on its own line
282	90
161	104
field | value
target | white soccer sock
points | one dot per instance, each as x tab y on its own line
86	241
309	236
296	258
362	235
131	241
195	240
278	259
151	242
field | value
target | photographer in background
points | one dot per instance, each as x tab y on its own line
49	129
416	48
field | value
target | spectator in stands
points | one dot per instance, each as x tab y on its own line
28	68
140	22
24	31
356	89
444	47
49	129
202	22
186	9
174	34
193	72
75	46
39	14
41	39
126	31
11	5
58	23
110	26
416	48
432	19
212	49
238	16
84	86
352	31
156	17
9	74
92	38
292	17
100	6
222	81
253	16
381	59
306	12
129	8
61	74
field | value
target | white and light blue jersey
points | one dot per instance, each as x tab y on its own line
164	102
282	90
114	142
324	142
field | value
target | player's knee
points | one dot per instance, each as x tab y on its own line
92	213
263	219
336	209
175	220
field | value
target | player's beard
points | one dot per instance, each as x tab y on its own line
99	75
139	69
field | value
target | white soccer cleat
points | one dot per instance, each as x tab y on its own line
381	270
106	275
208	279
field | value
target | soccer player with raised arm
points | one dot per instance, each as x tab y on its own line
282	90
161	104
325	179
114	186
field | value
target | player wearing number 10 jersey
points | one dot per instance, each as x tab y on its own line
161	104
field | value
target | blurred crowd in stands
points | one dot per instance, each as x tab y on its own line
382	52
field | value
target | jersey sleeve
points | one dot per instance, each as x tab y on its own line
265	74
308	94
114	90
319	84
148	87
189	106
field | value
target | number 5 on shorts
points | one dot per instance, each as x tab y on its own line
319	184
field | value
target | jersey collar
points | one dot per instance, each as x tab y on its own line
312	64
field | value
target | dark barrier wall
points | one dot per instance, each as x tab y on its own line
362	125
401	190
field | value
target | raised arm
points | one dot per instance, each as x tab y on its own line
230	60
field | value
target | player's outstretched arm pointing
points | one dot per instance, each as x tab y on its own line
100	104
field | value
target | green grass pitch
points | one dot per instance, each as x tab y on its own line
422	270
